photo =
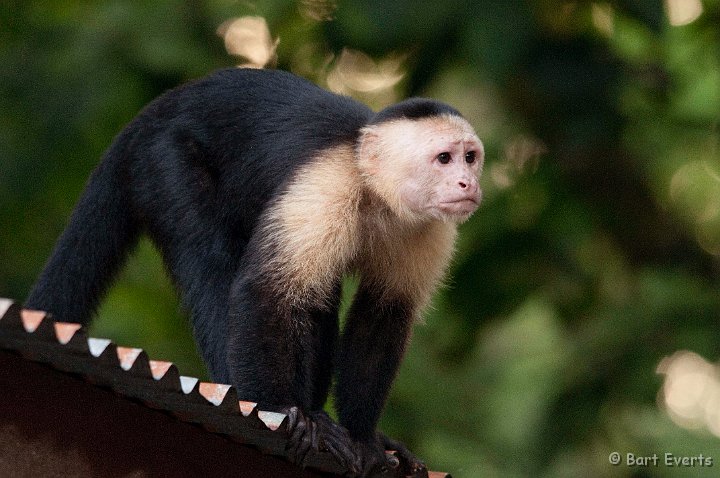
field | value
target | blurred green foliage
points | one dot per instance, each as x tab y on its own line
593	256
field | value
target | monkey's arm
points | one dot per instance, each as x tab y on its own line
278	354
371	349
281	356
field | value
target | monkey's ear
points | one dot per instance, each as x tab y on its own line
368	149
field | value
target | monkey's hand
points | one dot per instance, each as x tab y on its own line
317	431
372	459
409	463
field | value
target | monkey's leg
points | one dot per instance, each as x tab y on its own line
371	348
201	275
94	245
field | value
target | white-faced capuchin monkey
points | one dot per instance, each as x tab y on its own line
261	192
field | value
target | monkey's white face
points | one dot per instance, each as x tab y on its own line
425	169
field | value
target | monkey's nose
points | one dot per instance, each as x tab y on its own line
468	186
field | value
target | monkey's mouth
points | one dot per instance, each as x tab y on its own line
463	200
464	205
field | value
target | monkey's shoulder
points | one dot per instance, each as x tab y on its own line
311	230
320	204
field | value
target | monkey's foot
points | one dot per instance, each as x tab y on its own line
317	431
409	463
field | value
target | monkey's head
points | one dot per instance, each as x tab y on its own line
423	159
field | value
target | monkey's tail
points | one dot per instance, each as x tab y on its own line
94	245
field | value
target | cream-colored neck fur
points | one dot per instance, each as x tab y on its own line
327	223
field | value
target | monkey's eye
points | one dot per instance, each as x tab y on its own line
443	158
470	157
